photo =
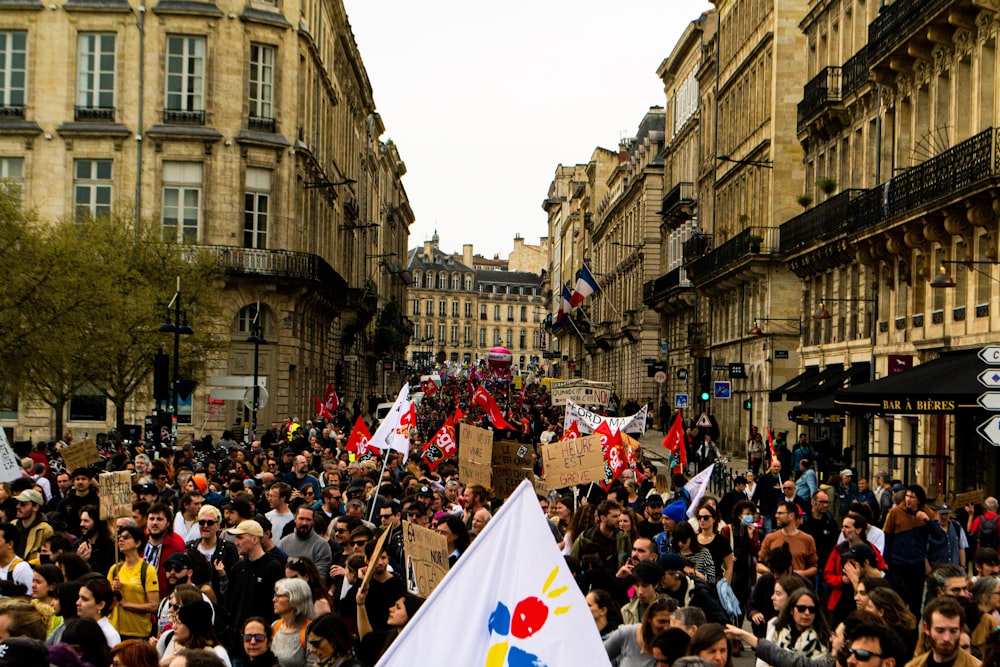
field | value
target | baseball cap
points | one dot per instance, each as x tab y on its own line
30	496
424	491
240	506
671	562
943	508
860	552
248	527
179	558
846	472
145	489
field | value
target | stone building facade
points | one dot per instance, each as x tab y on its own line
247	129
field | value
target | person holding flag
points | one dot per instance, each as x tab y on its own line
676	442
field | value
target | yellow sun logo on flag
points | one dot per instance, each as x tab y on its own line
529	617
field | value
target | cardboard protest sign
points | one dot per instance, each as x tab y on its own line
426	558
968	498
115	489
80	455
379	546
10	465
574	461
475	454
506	479
511	464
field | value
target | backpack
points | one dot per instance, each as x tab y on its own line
988	531
142	572
302	634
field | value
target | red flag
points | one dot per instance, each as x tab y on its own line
484	400
360	436
330	399
429	387
321	410
472	390
675	442
614	457
572	432
770	446
442	445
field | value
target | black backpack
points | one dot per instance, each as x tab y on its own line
988	531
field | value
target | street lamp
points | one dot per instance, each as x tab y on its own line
257	338
943	280
765	164
628	245
178	326
822	313
755	329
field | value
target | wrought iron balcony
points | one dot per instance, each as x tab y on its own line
696	246
855	72
899	22
750	241
184	117
277	264
679	195
822	90
94	113
12	111
820	223
671	282
261	124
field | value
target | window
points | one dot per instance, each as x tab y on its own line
441	335
185	74
429	332
245	318
13	71
454	335
260	87
429	309
416	306
256	208
468	283
429	283
442	308
482	338
92	188
181	201
523	340
416	279
468	336
524	313
88	405
95	76
12	175
468	309
454	308
482	311
456	282
496	337
510	338
443	281
496	312
510	313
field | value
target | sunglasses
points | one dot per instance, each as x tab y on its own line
316	643
862	655
172	567
805	608
704	517
255	637
206	522
174	606
359	543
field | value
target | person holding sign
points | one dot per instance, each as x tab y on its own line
135	585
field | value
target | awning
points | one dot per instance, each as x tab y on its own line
823	409
777	395
814	388
940	386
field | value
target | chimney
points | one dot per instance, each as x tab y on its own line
622	153
428	250
467	254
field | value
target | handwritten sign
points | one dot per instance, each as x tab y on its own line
511	454
10	465
475	454
507	478
115	489
80	455
426	558
370	570
575	461
968	498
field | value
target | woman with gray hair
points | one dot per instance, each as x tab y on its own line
293	604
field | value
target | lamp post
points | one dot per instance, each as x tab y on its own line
178	326
257	338
822	313
945	281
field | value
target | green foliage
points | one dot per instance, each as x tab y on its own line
83	301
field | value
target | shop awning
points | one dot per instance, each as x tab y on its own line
940	386
815	387
806	376
823	409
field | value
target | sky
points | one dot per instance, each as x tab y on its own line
484	104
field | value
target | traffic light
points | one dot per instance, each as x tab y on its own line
705	377
705	396
748	403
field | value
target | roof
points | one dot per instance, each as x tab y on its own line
507	278
415	260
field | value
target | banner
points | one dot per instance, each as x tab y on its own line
588	421
697	486
394	431
426	558
475	453
574	461
80	455
115	490
517	602
581	392
10	465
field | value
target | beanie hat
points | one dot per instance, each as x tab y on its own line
676	511
200	482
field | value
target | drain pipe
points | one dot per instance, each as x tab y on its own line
141	24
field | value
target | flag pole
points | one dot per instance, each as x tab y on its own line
606	299
385	461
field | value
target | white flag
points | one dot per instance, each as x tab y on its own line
697	487
515	600
391	434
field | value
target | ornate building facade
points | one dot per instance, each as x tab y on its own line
246	129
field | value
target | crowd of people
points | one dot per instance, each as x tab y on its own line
256	555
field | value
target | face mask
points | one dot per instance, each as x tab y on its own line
747	519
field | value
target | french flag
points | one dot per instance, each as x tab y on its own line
585	286
564	306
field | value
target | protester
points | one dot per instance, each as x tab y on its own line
631	645
256	637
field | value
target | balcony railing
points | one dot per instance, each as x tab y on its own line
12	111
261	124
855	72
680	194
660	289
697	333
946	176
94	113
184	117
696	246
820	223
277	264
740	246
898	22
822	89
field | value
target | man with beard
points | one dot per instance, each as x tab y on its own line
83	494
382	592
908	530
614	544
299	477
95	545
801	544
941	627
34	529
651	523
161	542
178	569
304	542
64	487
186	520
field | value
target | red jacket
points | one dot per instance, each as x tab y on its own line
172	543
833	573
